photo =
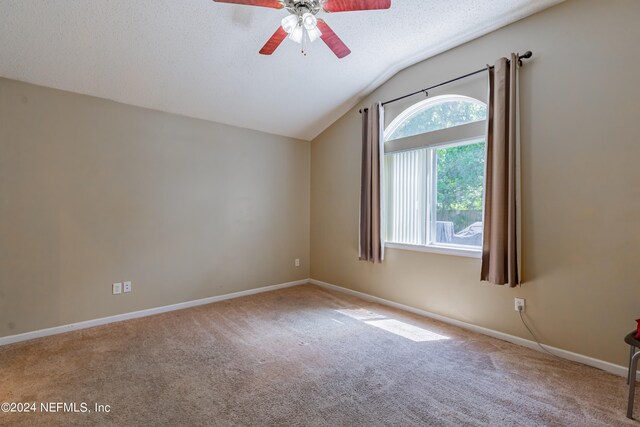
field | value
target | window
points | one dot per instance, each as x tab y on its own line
434	172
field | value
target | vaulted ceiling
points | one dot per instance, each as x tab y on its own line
200	59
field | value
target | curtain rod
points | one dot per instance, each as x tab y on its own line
525	55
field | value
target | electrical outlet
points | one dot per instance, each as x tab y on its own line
117	288
519	304
126	287
297	262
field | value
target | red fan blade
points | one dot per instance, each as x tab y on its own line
272	44
275	4
332	40
349	5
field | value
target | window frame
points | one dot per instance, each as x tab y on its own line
468	133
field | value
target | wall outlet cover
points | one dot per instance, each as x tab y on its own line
127	287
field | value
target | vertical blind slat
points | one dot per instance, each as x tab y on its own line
406	196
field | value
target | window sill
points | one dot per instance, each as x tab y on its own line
445	250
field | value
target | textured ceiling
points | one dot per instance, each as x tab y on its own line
200	59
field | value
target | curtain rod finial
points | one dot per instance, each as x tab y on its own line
528	54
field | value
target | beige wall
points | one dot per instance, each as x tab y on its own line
94	192
581	187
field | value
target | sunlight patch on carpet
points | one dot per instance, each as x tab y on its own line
361	314
405	330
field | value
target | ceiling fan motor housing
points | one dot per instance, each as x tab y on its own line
300	7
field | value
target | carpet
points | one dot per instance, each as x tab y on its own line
301	356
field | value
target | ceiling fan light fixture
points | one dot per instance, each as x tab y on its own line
289	23
309	21
314	34
297	34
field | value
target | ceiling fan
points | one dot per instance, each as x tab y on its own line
302	26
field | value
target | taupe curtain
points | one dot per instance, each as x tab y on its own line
500	249
371	246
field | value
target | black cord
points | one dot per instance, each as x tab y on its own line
534	337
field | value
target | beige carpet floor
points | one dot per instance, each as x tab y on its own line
301	356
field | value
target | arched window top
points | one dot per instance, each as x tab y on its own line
436	113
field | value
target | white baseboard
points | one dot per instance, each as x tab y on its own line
142	313
590	361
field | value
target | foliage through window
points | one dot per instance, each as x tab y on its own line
435	114
434	189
